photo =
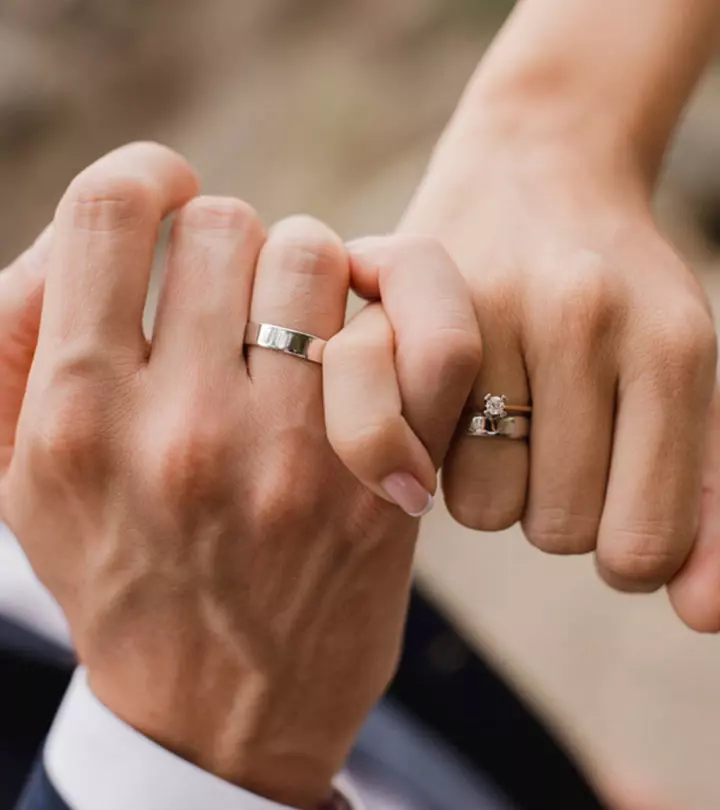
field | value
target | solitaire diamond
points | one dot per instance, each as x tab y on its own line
495	406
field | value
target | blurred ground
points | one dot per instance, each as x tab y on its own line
331	108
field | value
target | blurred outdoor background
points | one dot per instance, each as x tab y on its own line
331	107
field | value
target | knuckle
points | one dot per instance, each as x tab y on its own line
688	336
456	352
557	531
677	354
98	202
638	560
278	503
220	213
360	445
582	308
287	490
474	510
307	246
70	438
189	463
354	345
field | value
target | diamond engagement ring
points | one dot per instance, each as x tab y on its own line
500	419
288	341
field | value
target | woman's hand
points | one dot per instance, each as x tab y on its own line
397	376
234	591
590	315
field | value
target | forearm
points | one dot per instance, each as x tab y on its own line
609	74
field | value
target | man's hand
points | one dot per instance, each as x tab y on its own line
233	589
587	312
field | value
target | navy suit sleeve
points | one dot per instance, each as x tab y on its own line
474	710
34	675
39	793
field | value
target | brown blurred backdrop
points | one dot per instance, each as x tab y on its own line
331	107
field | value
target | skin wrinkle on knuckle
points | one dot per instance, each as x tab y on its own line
647	556
222	214
108	204
305	246
555	530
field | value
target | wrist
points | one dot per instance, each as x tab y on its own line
596	76
555	128
86	738
513	147
230	730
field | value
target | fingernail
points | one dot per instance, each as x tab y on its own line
408	493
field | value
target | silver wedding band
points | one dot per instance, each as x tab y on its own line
508	427
289	341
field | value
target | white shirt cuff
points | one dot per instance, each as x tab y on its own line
95	761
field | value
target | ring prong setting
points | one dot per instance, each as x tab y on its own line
495	406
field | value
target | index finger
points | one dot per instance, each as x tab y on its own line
437	337
105	232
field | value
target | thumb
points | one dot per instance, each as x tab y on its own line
21	294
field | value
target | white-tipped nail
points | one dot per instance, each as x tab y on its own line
409	494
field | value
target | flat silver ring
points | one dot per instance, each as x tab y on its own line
505	427
289	341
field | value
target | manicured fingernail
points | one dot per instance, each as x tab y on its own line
408	493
